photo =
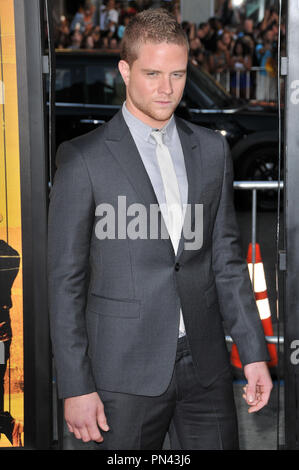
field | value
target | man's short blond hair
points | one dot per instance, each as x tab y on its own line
151	26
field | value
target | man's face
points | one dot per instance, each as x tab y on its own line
77	37
269	36
195	44
155	81
226	39
248	26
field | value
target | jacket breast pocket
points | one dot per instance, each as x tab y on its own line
121	308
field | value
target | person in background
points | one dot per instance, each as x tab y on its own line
83	18
227	40
248	28
113	44
121	28
76	39
105	42
211	34
112	16
102	16
219	62
88	19
62	40
78	21
197	53
202	31
227	12
270	19
266	84
88	42
240	62
97	38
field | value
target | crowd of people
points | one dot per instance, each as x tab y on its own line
92	29
226	50
227	44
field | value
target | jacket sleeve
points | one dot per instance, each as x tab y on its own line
234	288
71	213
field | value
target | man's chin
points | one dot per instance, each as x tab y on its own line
163	114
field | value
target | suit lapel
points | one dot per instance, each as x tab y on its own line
121	144
194	172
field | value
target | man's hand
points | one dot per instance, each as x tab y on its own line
84	416
258	389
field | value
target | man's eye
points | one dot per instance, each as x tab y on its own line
151	74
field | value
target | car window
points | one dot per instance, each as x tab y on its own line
104	85
70	84
202	88
193	96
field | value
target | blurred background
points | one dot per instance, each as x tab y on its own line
226	36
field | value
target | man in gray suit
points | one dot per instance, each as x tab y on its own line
136	318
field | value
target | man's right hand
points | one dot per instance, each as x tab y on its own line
84	416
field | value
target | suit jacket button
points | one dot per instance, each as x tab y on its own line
177	266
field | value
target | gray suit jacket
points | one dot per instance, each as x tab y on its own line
114	303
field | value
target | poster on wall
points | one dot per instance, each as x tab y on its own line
11	293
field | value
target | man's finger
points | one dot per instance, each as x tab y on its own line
258	406
262	399
84	434
94	433
101	419
251	397
77	433
70	428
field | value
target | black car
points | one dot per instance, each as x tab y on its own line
90	90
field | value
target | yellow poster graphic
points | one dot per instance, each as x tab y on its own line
11	293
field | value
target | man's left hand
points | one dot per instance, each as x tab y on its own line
259	386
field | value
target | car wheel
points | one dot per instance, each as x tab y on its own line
259	165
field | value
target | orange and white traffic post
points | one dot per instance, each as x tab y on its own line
262	301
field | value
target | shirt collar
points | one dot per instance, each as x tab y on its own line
144	130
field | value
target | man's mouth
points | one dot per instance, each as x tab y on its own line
163	102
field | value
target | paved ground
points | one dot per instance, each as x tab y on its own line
258	431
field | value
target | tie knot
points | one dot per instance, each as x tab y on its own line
158	136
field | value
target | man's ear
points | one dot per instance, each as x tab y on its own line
124	69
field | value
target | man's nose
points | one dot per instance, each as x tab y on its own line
165	85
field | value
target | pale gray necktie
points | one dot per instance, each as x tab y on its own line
174	213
